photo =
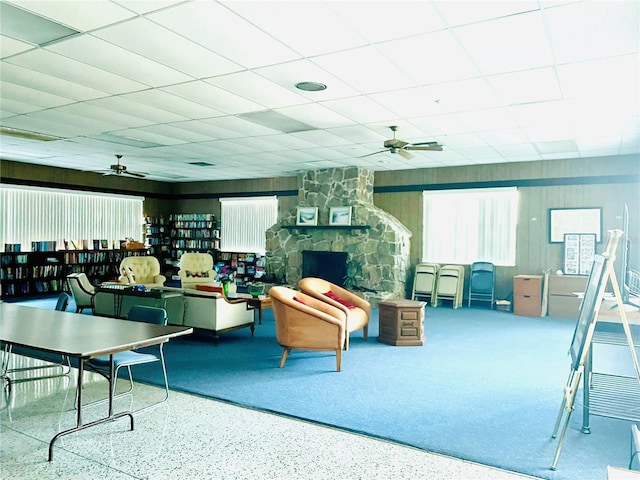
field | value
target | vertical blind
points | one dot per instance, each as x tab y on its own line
244	221
465	226
41	214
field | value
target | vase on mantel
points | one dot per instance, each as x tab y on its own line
225	289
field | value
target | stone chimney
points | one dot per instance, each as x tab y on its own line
377	244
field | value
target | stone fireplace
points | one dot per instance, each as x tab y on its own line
377	244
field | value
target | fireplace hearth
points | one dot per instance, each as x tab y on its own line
331	266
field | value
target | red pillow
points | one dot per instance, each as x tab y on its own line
333	296
298	300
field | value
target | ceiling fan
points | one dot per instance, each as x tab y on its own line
402	148
119	169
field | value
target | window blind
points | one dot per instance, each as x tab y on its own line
244	221
43	214
465	226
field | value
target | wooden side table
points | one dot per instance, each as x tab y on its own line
401	322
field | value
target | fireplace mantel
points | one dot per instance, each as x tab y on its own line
326	227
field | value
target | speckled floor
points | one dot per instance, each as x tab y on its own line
190	437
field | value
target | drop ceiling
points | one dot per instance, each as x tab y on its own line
205	90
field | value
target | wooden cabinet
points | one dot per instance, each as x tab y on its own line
401	322
527	295
563	302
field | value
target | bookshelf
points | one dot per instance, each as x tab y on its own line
193	232
158	239
24	274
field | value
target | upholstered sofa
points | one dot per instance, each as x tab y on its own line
209	309
306	323
189	306
356	309
196	269
141	270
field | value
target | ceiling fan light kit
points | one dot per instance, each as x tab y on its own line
119	169
402	148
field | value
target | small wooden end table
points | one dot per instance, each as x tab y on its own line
401	322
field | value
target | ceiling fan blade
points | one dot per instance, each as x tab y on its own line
404	153
374	153
425	143
432	148
134	174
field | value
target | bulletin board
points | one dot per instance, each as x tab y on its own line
572	220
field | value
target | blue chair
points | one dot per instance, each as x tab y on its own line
128	359
482	282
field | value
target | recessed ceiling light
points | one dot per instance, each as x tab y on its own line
311	86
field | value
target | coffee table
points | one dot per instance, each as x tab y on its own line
255	303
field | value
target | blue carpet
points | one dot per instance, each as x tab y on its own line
485	387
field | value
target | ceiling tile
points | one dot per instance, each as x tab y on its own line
462	13
50	63
10	46
315	115
46	83
180	108
258	89
360	109
111	58
433	58
538	85
135	106
213	97
507	44
374	72
598	29
371	20
143	37
288	74
303	26
31	96
212	25
83	16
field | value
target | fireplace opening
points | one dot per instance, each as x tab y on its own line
331	266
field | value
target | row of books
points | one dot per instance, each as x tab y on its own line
175	217
25	288
196	244
44	246
41	271
16	259
194	233
209	225
12	247
72	257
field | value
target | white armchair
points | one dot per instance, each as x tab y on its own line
196	268
141	270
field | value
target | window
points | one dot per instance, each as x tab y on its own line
42	214
465	226
244	221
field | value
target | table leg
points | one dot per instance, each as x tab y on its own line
81	426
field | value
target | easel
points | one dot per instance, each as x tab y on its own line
602	272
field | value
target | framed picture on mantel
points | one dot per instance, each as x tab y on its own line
340	216
307	216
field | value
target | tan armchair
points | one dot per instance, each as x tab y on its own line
356	309
196	268
81	290
306	323
141	270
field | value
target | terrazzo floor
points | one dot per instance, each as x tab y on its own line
190	437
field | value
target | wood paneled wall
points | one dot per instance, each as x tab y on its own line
608	183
